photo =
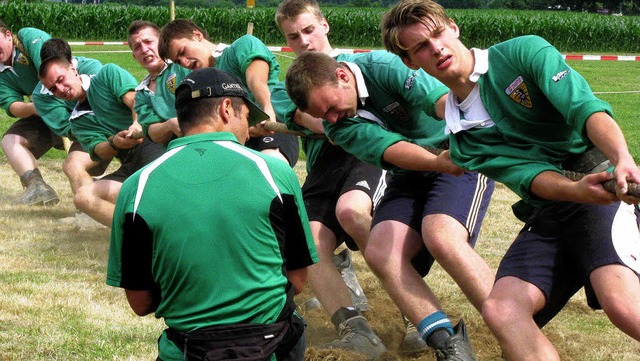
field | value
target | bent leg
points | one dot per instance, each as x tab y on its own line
98	199
353	211
448	242
508	312
618	290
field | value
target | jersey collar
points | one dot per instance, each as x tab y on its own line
361	87
482	63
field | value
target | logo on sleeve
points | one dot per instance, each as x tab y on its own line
171	83
518	91
408	84
556	78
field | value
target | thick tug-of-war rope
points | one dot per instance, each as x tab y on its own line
610	185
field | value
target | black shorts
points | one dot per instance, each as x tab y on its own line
135	158
289	145
37	133
334	173
411	196
563	242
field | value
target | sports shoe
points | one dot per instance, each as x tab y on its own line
346	267
38	193
457	347
356	335
412	344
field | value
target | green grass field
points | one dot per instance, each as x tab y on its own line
55	305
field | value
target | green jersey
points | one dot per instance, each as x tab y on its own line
396	104
236	58
104	97
539	106
55	112
159	105
233	223
21	77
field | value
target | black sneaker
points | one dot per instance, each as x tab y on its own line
457	347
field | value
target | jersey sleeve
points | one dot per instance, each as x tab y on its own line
32	40
118	80
54	111
249	48
365	139
145	111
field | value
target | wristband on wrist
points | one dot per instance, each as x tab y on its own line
112	144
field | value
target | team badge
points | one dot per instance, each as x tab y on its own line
518	91
22	59
397	111
171	83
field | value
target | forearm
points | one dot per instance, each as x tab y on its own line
22	109
605	134
163	132
305	120
411	156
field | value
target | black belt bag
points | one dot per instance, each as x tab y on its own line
240	341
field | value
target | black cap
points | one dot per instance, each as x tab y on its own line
214	83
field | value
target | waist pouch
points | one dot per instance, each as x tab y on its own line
240	341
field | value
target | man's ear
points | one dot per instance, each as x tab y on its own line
197	35
342	75
225	110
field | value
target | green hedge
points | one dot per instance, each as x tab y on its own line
350	27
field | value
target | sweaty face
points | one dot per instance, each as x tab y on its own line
6	47
144	47
306	33
436	50
63	81
189	53
332	102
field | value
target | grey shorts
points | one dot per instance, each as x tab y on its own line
37	133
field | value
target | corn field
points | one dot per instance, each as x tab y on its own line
350	27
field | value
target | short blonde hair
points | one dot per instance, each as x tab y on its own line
410	12
289	9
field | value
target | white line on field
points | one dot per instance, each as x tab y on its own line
620	92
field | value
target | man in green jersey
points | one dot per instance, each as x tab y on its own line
222	260
339	193
187	45
520	114
155	95
104	123
55	112
28	138
385	113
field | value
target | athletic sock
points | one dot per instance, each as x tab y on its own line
435	329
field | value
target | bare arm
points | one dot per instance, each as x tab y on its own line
142	302
607	136
298	279
305	120
129	99
163	132
22	109
411	156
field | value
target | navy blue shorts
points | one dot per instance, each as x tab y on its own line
289	145
411	196
334	173
563	242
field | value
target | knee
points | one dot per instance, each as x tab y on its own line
82	197
376	258
619	307
496	313
350	218
438	244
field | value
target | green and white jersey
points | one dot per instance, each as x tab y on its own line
55	112
104	97
236	58
156	107
21	77
396	104
232	223
539	106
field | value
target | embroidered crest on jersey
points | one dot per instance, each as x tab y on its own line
408	84
171	83
396	111
22	59
556	78
518	91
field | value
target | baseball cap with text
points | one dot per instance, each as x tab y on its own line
214	83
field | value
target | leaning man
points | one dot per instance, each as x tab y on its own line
213	236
